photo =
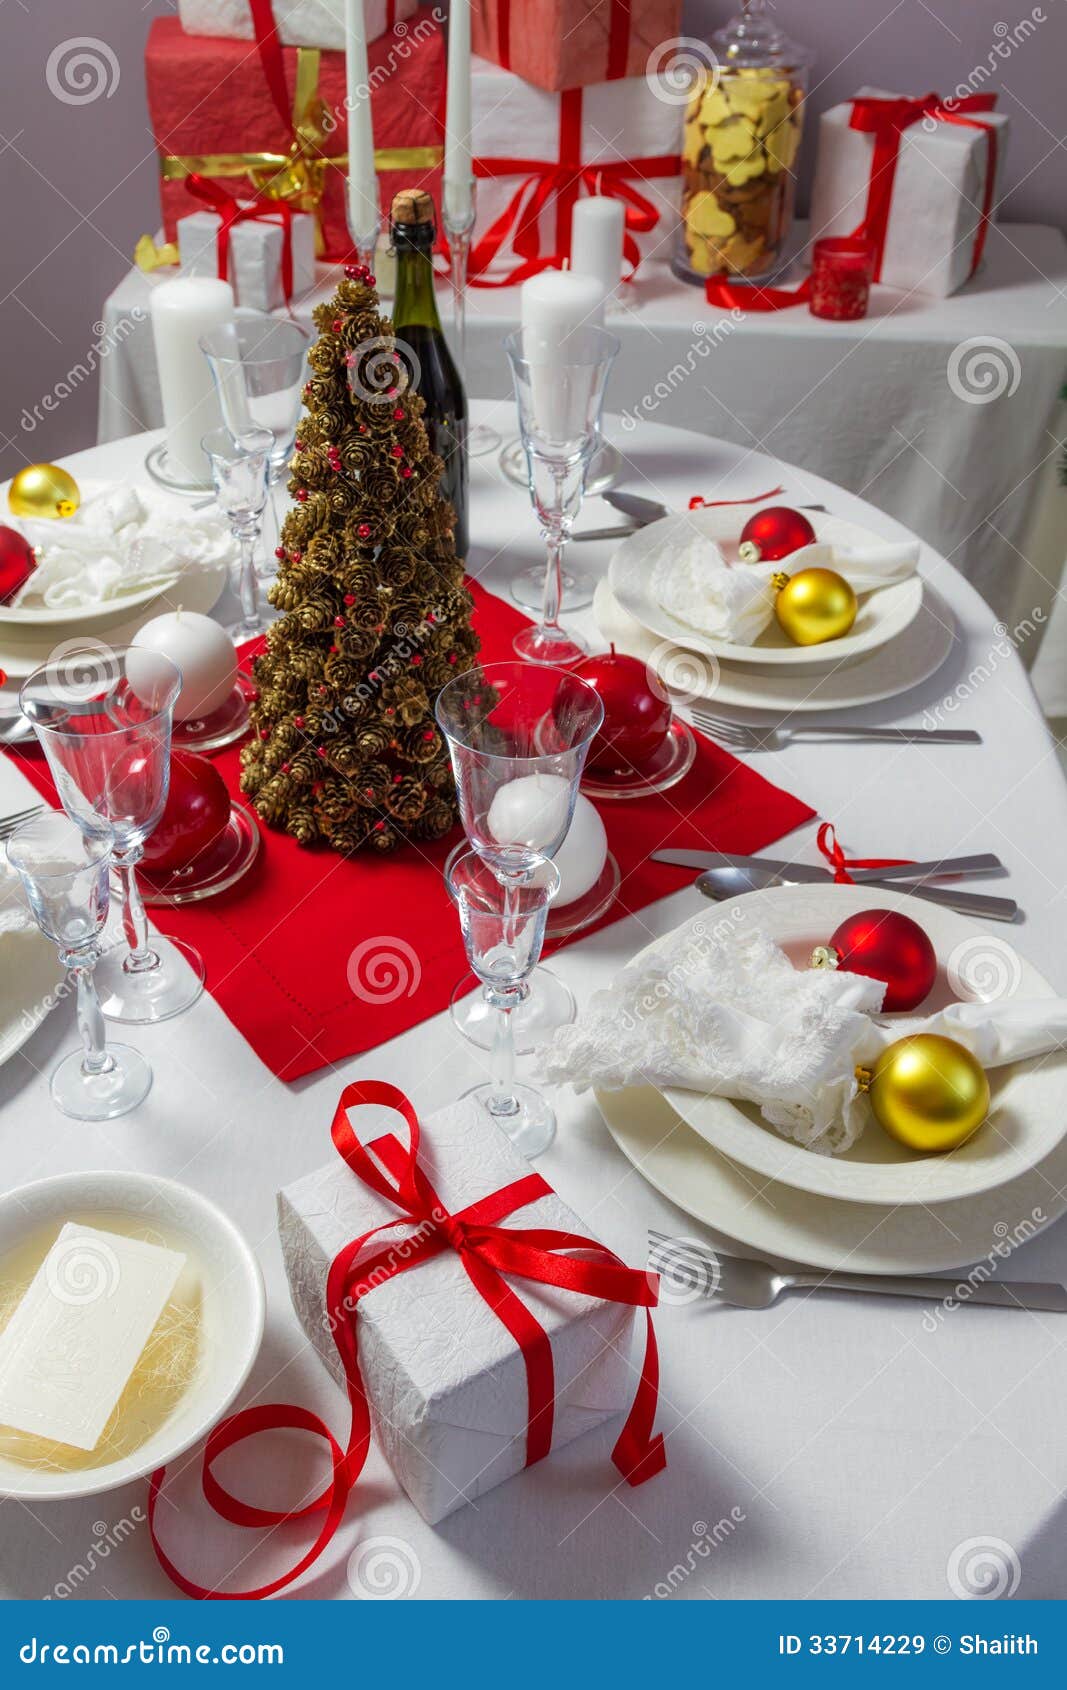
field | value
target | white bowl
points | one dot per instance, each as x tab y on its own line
232	1310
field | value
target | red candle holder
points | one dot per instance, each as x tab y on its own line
841	274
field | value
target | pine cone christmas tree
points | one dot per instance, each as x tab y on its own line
376	618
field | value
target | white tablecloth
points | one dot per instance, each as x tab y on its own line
967	459
857	1449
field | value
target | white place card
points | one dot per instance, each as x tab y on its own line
67	1353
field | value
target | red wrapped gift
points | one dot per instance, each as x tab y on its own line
571	43
217	113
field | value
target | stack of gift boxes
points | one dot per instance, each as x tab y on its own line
582	118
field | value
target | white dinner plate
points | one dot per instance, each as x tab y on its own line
84	616
912	658
881	617
790	1226
1026	1121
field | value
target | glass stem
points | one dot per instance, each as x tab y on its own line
555	540
248	585
459	251
502	1100
90	1021
134	921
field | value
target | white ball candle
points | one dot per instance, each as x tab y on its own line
182	310
204	653
596	240
581	858
531	811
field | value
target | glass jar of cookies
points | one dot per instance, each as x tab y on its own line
742	135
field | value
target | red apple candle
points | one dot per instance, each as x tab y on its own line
637	713
196	813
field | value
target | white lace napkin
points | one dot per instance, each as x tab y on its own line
15	914
718	1007
120	539
728	600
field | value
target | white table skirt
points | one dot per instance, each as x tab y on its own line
869	404
858	1449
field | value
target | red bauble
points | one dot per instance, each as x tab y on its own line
885	945
775	533
197	811
17	562
637	718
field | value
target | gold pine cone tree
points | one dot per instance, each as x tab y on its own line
375	618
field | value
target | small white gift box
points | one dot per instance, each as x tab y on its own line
255	255
531	146
939	186
446	1380
301	23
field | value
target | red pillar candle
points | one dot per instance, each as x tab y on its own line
841	274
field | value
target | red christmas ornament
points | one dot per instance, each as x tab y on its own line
883	945
17	562
196	812
301	495
775	533
279	552
637	718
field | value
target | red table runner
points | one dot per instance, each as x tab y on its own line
316	957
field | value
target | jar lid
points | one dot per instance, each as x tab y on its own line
753	41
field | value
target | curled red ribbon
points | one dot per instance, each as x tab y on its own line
697	503
261	209
488	1252
831	850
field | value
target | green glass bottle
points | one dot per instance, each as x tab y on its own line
424	351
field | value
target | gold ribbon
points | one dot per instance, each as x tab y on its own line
148	256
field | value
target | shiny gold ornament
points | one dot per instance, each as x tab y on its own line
927	1092
813	605
43	490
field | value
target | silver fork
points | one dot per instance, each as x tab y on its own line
8	824
741	736
750	1284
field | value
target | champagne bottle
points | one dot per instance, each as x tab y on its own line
424	352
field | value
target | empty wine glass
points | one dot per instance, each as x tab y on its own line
560	394
240	465
503	931
103	719
258	363
66	876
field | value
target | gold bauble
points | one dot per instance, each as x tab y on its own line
814	605
43	490
928	1092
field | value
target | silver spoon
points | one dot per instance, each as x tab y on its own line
721	884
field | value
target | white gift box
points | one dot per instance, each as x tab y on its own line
301	23
446	1380
938	192
615	124
255	266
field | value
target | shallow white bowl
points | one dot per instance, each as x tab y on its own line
232	1309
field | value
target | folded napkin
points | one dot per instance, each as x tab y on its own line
15	913
119	540
718	1007
724	599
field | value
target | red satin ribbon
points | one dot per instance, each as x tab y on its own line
697	503
262	209
831	850
886	120
488	1251
618	37
269	47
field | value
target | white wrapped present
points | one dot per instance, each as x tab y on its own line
535	152
446	1380
255	255
301	23
947	173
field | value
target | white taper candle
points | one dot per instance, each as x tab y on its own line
459	171
362	180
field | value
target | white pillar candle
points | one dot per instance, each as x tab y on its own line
458	168
581	858
182	310
556	307
201	649
362	179
596	240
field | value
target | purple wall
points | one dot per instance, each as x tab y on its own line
78	180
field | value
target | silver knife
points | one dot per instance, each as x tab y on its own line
977	904
633	505
807	873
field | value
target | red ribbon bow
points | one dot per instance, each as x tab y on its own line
826	839
488	1252
886	119
262	209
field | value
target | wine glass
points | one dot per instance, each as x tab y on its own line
66	876
560	394
503	931
258	363
104	720
458	216
240	465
